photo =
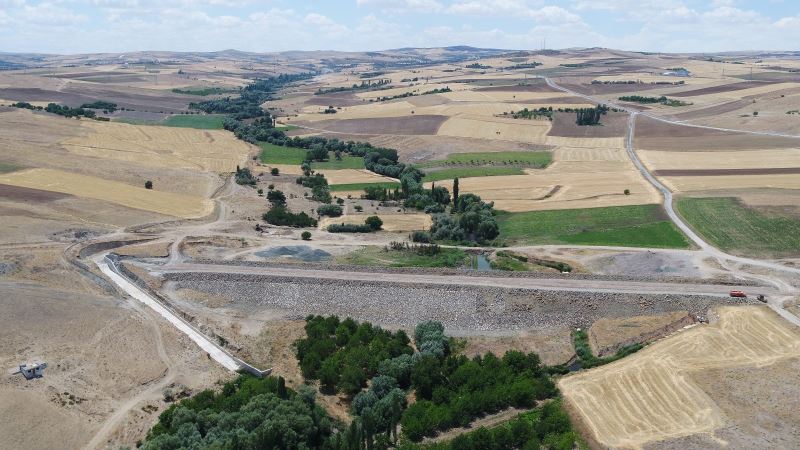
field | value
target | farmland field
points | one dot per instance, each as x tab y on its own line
625	226
391	222
730	225
652	395
202	122
277	154
469	172
536	159
362	186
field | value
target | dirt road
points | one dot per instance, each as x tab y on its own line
547	284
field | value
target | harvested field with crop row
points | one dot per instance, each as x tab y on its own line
391	222
176	205
651	396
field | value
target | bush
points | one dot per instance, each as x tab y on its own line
148	184
349	228
358	208
275	171
329	210
421	236
276	198
374	223
306	236
280	215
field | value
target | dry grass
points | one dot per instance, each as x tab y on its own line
700	183
391	222
586	142
531	131
167	203
741	159
651	396
607	334
167	147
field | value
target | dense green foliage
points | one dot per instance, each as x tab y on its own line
473	221
590	116
507	260
546	427
627	226
531	114
248	413
651	100
371	223
343	355
319	187
244	176
329	210
364	86
203	92
412	94
364	186
588	360
455	390
280	215
248	103
732	226
108	107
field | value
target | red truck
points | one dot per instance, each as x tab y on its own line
739	294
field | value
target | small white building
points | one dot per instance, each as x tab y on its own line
34	370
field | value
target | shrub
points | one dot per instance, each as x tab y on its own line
148	184
374	223
329	210
359	208
306	235
421	236
276	198
627	192
275	171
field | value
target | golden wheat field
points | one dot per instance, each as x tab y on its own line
167	147
528	131
701	183
350	176
650	395
167	203
391	222
740	159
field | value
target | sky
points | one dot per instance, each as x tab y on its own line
90	26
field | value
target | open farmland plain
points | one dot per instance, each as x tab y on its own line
585	239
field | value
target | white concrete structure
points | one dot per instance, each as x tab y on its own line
34	370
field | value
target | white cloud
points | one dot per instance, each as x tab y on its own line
49	14
403	6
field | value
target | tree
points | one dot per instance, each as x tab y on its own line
455	190
627	192
374	222
148	184
353	379
276	198
306	235
275	171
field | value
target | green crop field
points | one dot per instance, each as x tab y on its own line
731	226
277	154
467	172
347	162
624	226
362	186
535	159
286	127
199	121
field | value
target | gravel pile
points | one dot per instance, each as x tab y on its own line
460	310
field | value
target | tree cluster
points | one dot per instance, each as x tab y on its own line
343	355
590	116
248	413
320	191
329	210
473	221
107	107
281	215
248	104
365	85
371	223
532	113
244	176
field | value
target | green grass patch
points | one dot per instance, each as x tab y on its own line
7	167
624	226
285	128
347	162
535	159
731	226
199	121
467	172
379	256
362	186
277	154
